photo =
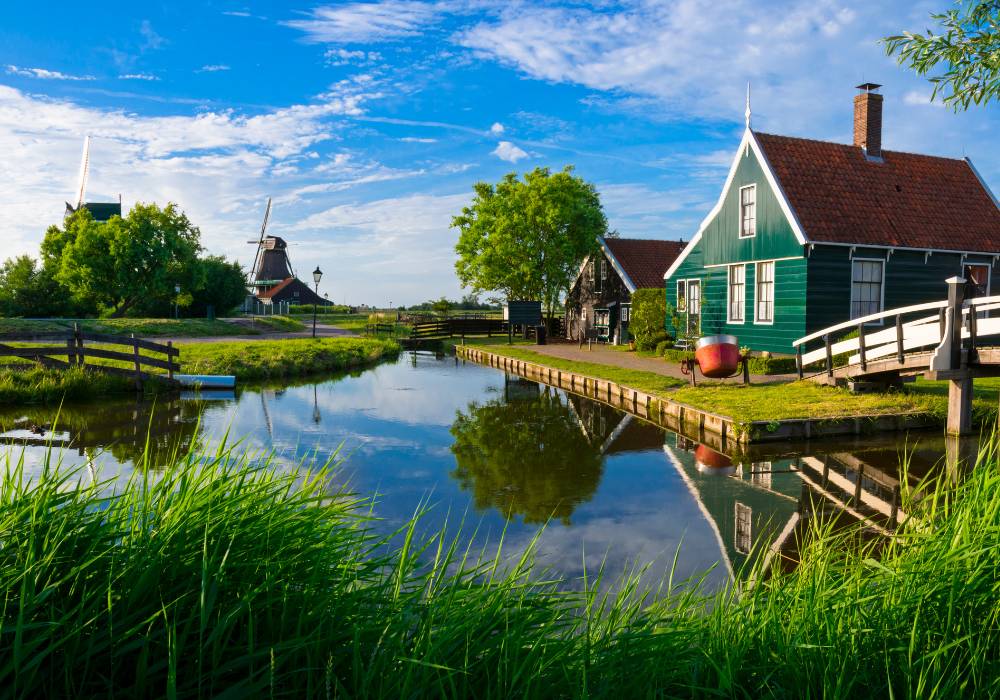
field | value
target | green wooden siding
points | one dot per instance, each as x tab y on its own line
720	244
910	278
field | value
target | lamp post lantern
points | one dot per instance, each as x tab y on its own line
317	276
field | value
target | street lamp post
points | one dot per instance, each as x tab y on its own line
317	276
177	294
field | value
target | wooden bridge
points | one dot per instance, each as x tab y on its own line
48	349
947	340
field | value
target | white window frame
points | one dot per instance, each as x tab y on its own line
881	302
682	307
626	313
756	292
687	282
729	290
740	208
604	269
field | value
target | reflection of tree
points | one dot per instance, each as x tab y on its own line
120	428
525	457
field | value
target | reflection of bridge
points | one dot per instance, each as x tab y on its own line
939	340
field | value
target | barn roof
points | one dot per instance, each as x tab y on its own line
643	260
901	200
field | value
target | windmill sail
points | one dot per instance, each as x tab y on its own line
260	243
81	190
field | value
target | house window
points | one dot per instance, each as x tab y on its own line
866	287
760	474
626	313
764	298
748	211
598	278
604	269
590	271
743	539
737	292
694	297
681	296
977	281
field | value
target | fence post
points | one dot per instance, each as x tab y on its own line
138	368
861	346
899	339
78	337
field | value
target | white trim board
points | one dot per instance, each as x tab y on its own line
748	140
752	262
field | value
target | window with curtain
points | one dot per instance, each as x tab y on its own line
764	298
681	296
737	292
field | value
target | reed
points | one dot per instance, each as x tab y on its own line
226	575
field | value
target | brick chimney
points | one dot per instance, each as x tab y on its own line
868	120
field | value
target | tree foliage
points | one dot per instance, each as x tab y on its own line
525	239
648	317
123	266
966	46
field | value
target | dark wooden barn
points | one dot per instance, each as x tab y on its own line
600	299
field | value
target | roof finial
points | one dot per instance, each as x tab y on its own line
747	112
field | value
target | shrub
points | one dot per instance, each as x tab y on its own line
664	345
648	319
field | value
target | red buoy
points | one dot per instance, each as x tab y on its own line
718	356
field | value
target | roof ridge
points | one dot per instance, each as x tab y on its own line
848	145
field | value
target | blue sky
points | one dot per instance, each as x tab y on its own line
369	122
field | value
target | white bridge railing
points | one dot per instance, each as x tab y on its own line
910	328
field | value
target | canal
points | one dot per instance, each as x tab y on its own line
489	455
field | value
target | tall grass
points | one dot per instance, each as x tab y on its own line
226	576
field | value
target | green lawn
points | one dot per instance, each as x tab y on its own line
154	327
758	402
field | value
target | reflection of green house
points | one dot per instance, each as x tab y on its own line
749	506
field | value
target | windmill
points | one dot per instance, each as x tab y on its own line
101	211
271	265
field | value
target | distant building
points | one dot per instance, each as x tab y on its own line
273	279
601	297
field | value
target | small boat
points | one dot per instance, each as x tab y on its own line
718	356
206	381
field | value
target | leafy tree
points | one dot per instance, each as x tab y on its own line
221	284
441	306
526	238
27	289
967	46
648	318
121	263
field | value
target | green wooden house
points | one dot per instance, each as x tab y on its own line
807	234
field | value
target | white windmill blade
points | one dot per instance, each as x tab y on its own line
263	233
81	190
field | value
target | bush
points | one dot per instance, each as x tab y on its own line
647	323
321	308
664	345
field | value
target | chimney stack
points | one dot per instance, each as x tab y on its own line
868	120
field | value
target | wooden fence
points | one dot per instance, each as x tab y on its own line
45	348
452	327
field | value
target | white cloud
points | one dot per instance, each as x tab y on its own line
496	129
213	68
921	98
45	74
151	40
138	76
509	152
362	22
416	139
344	57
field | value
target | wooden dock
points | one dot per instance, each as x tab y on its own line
696	423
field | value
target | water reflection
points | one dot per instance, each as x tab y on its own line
470	439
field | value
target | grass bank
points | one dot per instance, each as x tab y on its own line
153	327
757	402
263	359
254	359
224	577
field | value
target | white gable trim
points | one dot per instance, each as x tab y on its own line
989	192
748	141
614	263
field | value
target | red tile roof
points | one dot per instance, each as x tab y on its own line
908	200
643	260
